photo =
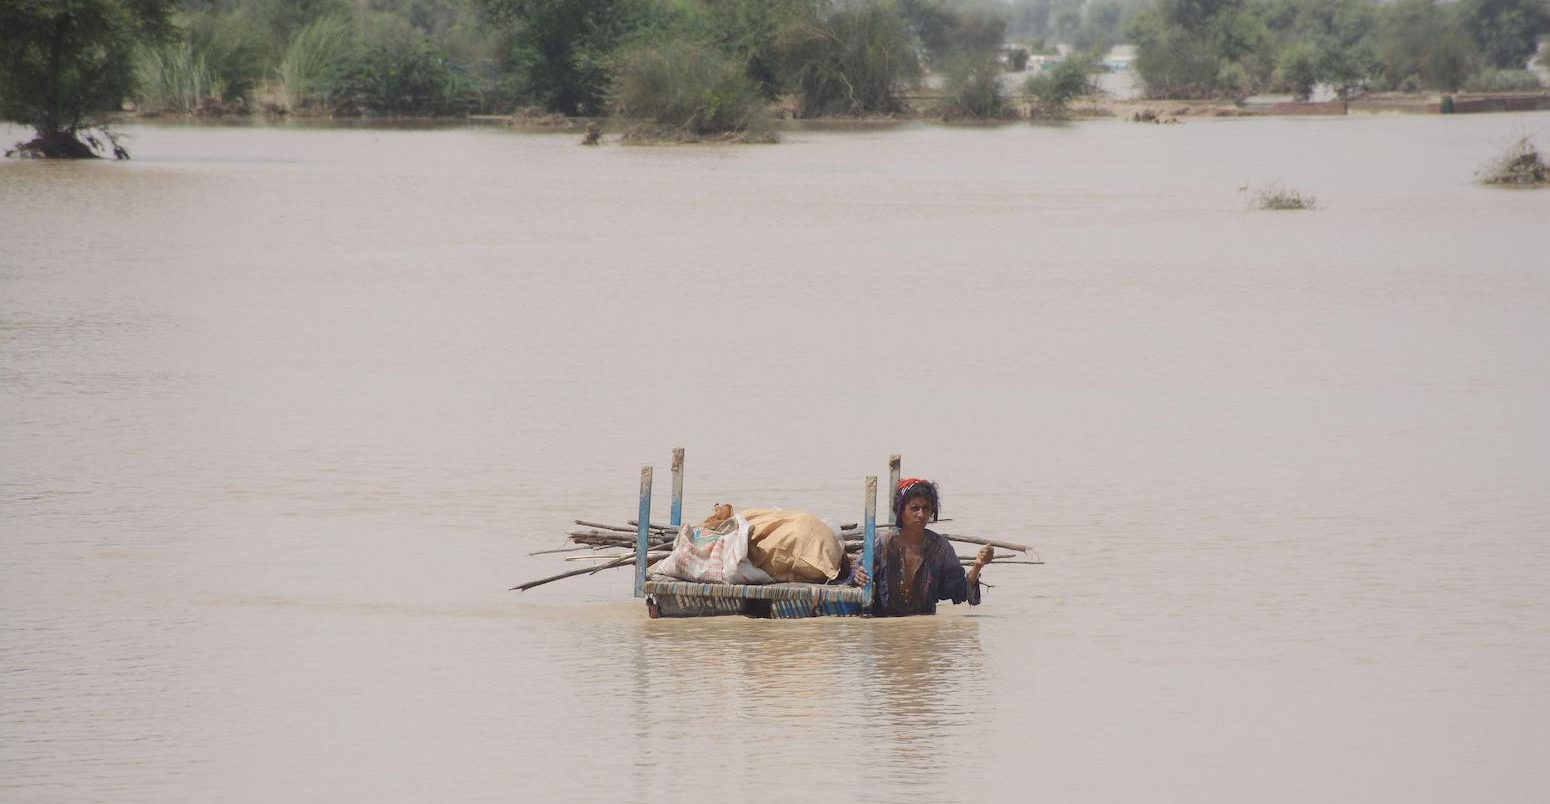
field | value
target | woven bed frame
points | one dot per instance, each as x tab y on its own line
779	600
670	598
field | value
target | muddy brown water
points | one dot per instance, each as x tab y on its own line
285	409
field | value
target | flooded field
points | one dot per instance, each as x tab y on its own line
285	410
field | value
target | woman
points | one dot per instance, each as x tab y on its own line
915	567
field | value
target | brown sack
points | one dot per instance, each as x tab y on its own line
793	546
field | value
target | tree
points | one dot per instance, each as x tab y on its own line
1202	48
1506	30
850	59
558	49
1343	32
62	61
1421	45
1299	68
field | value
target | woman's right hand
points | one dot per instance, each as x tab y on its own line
861	577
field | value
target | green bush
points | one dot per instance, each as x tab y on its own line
689	87
396	70
1069	80
973	88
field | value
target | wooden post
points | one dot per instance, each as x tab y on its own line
893	484
643	531
869	539
678	488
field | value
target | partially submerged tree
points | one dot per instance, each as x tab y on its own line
64	61
687	90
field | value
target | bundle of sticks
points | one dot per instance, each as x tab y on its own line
596	537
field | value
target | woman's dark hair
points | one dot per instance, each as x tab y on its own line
916	489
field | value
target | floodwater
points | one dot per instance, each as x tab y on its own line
284	410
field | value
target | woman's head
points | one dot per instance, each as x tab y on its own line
914	488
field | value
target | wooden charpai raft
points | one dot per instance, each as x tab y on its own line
783	601
666	597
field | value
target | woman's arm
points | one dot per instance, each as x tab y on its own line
953	584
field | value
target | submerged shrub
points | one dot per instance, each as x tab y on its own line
1276	197
1520	164
689	87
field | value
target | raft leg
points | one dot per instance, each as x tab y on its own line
869	539
893	483
678	488
642	534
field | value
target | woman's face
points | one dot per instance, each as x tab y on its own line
917	513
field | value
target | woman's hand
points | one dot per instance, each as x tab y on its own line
985	555
861	577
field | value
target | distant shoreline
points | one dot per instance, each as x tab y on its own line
1162	110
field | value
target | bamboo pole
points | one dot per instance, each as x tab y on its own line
1021	548
601	526
851	540
561	550
608	536
620	562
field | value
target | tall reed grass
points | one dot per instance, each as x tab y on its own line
311	60
175	78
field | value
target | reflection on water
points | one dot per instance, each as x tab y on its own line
284	410
792	706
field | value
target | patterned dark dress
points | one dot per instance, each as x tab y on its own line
940	577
